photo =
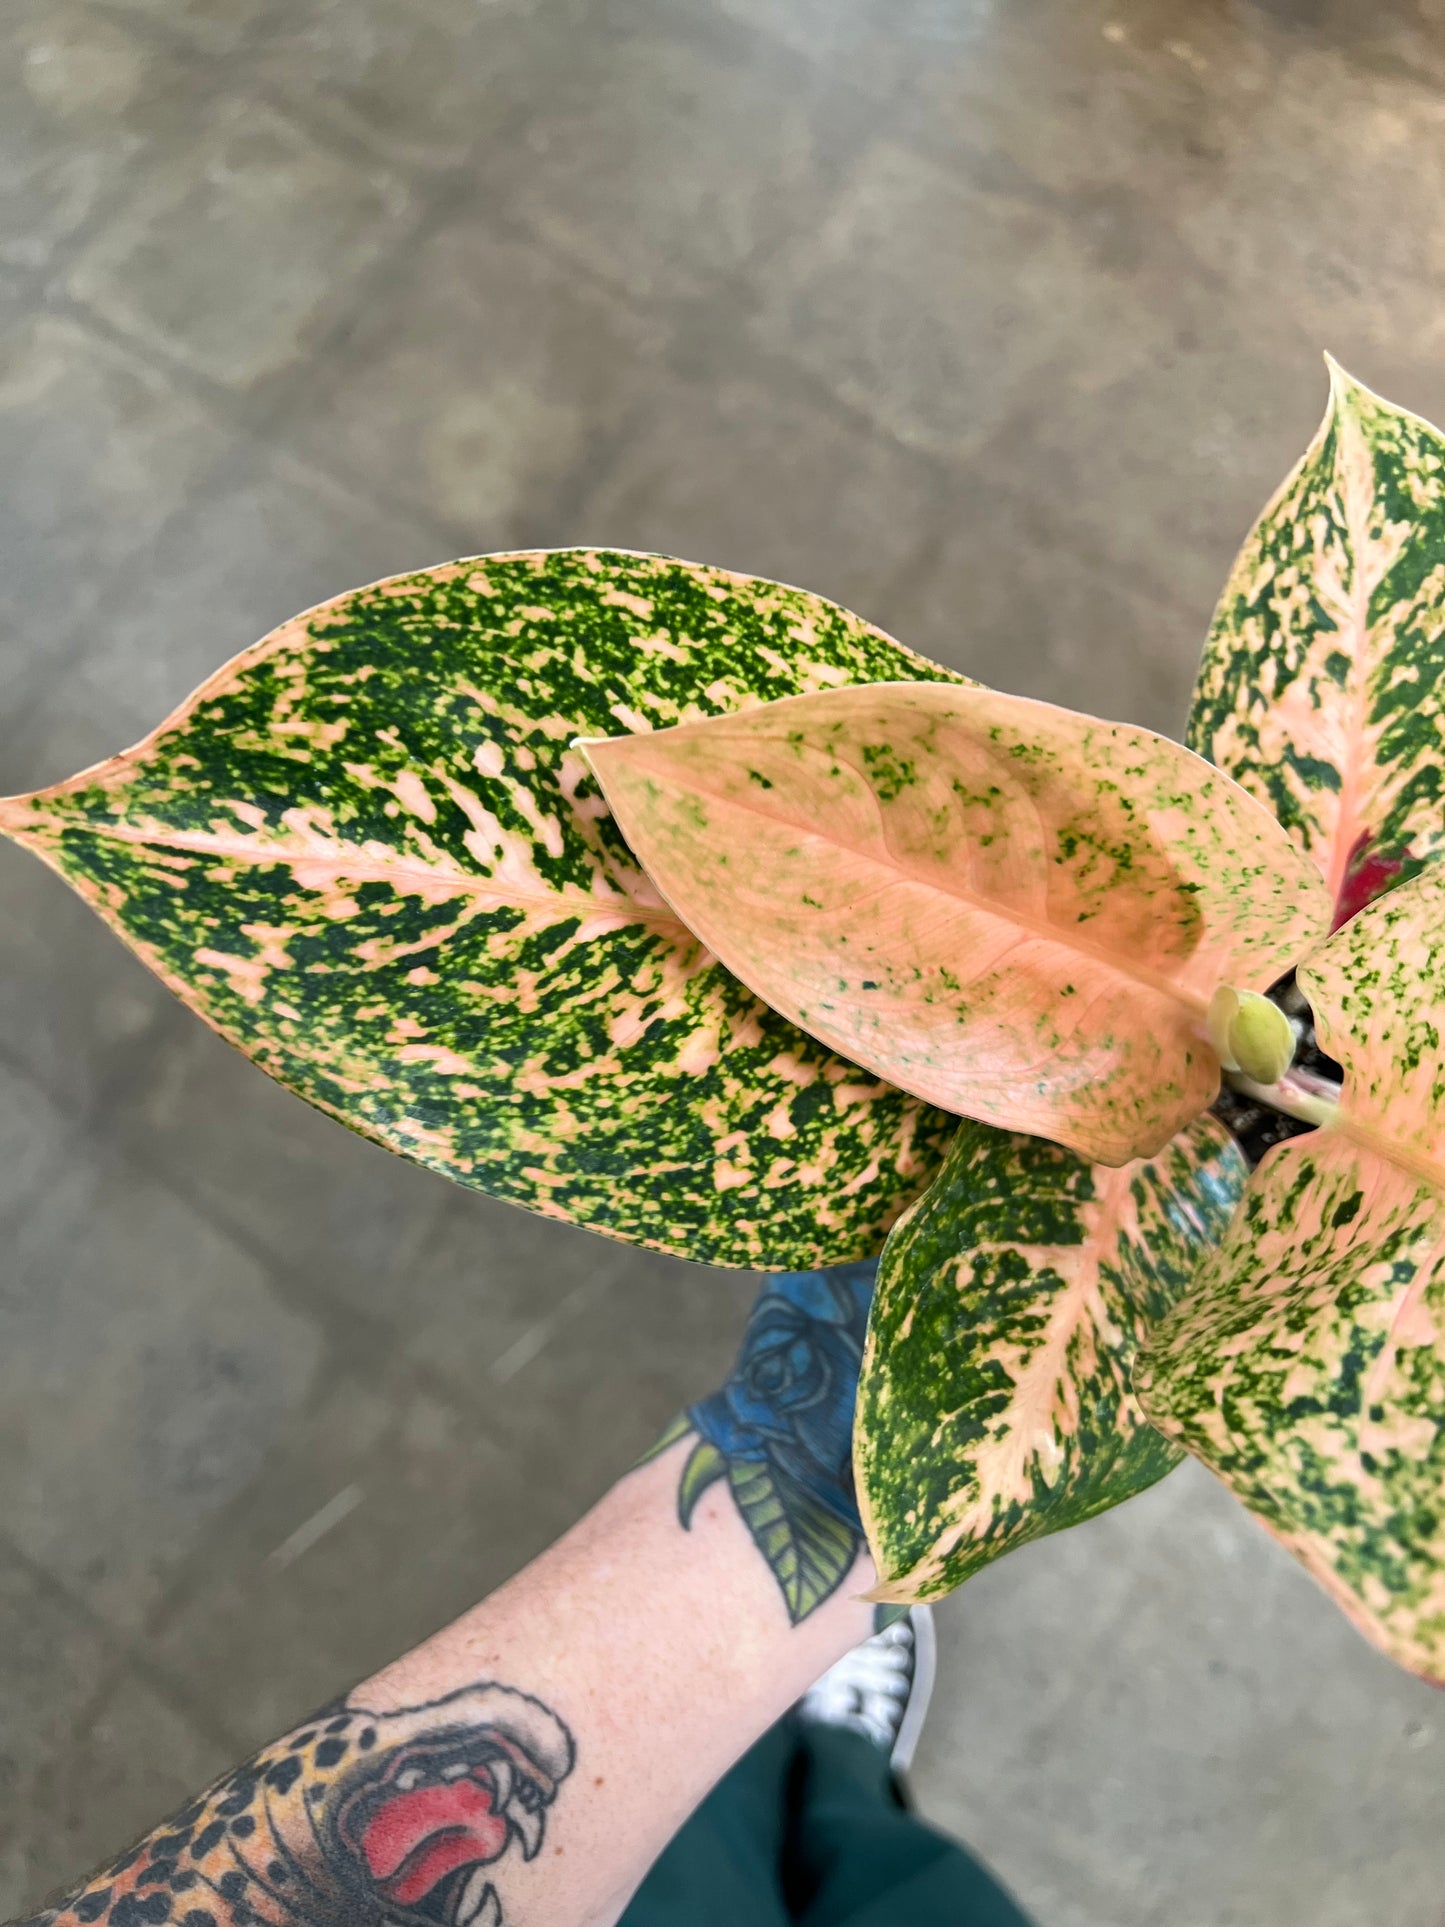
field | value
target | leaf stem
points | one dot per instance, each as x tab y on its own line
1299	1093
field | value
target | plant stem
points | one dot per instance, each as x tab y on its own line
1299	1093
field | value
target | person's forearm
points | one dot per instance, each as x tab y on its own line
527	1764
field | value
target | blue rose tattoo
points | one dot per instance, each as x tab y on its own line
789	1400
780	1430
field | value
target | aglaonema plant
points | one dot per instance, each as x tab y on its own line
691	908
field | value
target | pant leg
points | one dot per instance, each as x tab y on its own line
724	1869
856	1857
808	1830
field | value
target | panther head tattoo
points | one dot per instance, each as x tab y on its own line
359	1817
416	1822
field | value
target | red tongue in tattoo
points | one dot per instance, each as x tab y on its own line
418	1838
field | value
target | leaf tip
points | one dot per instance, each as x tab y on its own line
705	1466
15	814
1343	385
891	1592
598	750
1347	391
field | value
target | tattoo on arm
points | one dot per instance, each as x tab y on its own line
780	1430
408	1818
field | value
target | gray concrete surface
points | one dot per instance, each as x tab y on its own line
997	319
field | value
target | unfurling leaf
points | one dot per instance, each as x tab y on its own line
1250	1034
995	1405
1307	1366
1014	912
1323	683
365	852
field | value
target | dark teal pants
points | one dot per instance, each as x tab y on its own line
808	1830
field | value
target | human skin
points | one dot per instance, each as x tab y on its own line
527	1764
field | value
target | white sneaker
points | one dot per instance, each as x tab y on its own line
882	1688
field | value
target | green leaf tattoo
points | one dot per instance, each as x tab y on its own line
809	1550
779	1431
705	1466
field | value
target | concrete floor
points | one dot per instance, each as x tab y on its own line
996	319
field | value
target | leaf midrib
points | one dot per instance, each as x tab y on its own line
1357	678
1368	1138
1044	1371
1195	1002
369	869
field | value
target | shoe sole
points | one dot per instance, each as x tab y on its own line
920	1692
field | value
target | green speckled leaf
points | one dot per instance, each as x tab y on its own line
1308	1370
809	1551
1321	689
367	854
1377	989
995	1405
1307	1366
1014	912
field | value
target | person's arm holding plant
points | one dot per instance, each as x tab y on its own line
531	1760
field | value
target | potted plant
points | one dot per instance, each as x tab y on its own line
694	909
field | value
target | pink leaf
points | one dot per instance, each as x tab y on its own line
1010	910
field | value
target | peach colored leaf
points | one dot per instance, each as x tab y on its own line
995	1404
1014	912
1322	688
1307	1367
366	854
1377	989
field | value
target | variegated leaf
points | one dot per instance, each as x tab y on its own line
995	1405
1377	989
365	852
1014	912
1323	683
1307	1367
